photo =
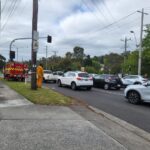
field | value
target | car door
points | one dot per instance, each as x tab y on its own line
64	78
101	81
96	80
70	78
146	92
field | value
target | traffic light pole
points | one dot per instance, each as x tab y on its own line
34	51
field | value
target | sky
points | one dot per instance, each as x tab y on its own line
99	26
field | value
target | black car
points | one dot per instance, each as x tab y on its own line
107	81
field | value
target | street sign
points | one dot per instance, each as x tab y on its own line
35	35
35	45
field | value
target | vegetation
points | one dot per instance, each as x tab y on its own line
43	96
2	62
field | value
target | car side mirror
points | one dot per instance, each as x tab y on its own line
146	84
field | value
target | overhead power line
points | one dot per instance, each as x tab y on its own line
123	18
13	7
4	6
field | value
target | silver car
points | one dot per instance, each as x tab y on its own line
138	93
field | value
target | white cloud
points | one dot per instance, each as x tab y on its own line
71	23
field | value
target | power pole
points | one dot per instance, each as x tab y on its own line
17	53
46	57
34	40
55	53
141	36
125	51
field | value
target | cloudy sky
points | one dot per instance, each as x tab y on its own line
96	25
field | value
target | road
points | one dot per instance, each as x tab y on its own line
112	102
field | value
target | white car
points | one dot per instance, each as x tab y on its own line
133	79
57	74
48	76
76	79
138	93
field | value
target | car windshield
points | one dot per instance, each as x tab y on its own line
47	71
60	73
83	75
111	76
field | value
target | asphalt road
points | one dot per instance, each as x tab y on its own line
112	102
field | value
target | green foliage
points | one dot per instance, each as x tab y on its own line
78	52
43	96
131	63
146	40
2	62
113	63
87	61
90	69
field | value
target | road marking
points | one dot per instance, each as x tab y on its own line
15	102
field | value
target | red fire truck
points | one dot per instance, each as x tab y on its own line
15	71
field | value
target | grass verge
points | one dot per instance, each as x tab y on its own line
43	96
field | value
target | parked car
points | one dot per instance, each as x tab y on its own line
107	81
133	79
76	79
92	75
138	93
57	74
48	76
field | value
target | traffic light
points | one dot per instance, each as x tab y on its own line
12	55
49	39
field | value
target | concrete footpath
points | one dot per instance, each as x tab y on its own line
25	126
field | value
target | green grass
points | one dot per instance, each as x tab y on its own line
43	96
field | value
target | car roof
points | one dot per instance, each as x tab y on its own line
76	71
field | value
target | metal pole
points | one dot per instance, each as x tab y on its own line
17	53
46	57
125	51
34	53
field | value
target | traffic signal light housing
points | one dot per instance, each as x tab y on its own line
49	39
12	55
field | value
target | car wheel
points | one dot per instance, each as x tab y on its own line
133	97
59	83
89	88
106	86
73	86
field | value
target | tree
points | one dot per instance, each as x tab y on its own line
146	40
2	62
69	55
87	61
131	63
112	63
78	52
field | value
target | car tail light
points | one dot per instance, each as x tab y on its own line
79	78
91	78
